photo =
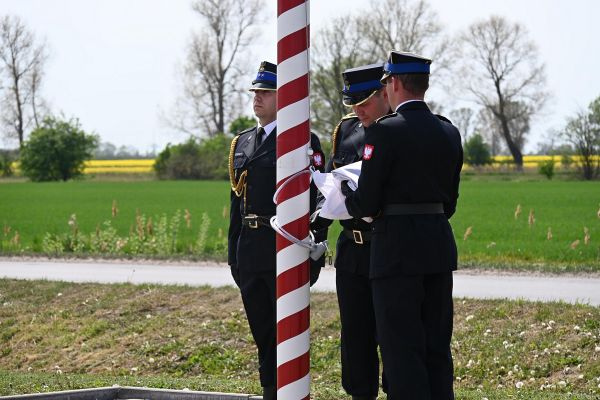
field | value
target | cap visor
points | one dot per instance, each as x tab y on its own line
357	98
262	86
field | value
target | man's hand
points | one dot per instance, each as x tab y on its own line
346	190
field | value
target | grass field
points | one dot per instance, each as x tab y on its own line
566	209
56	336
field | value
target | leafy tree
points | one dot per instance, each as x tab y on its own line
241	123
57	150
505	77
193	159
476	151
583	132
22	62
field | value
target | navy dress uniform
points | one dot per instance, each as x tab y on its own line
409	183
251	246
360	359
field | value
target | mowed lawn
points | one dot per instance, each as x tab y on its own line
496	238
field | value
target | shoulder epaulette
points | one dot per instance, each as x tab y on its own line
385	117
442	118
337	129
245	131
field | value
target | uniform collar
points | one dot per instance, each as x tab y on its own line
268	128
403	104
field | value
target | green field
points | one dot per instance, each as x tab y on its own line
57	335
487	206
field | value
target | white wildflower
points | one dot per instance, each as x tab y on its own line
519	385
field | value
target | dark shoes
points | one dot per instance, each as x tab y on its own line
269	393
364	397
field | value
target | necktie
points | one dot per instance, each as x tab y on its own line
259	136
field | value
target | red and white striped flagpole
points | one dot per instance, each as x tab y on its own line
293	136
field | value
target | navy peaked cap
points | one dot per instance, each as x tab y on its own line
266	79
400	62
361	82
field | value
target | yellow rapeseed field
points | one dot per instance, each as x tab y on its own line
145	166
118	166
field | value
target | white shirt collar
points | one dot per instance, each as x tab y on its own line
268	128
407	101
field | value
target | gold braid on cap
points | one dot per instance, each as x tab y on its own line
335	133
239	186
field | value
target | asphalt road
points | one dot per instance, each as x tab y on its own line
570	289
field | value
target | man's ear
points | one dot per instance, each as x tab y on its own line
397	84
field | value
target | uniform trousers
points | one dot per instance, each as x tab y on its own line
414	324
360	360
258	296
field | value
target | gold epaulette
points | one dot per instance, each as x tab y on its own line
337	129
236	186
385	116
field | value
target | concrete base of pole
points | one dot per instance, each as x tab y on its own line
131	393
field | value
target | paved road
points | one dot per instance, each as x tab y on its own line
466	284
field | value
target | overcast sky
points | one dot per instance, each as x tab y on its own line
114	63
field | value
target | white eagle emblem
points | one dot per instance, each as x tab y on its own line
317	160
368	152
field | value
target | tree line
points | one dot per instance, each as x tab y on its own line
493	62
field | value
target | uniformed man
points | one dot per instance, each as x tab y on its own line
360	360
252	255
409	183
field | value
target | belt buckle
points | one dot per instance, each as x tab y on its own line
251	220
358	238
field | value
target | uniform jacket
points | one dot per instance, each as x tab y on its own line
348	147
254	249
411	156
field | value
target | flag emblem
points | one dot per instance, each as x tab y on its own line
317	160
368	152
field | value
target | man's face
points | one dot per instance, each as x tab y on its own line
265	105
369	111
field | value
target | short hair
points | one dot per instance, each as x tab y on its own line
416	84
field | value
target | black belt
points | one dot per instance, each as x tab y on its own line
359	237
253	221
413	209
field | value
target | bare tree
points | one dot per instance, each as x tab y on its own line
334	51
214	72
464	119
489	128
350	41
21	66
503	74
583	132
406	25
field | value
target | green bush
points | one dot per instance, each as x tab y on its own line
56	151
207	159
546	168
476	151
566	161
6	160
